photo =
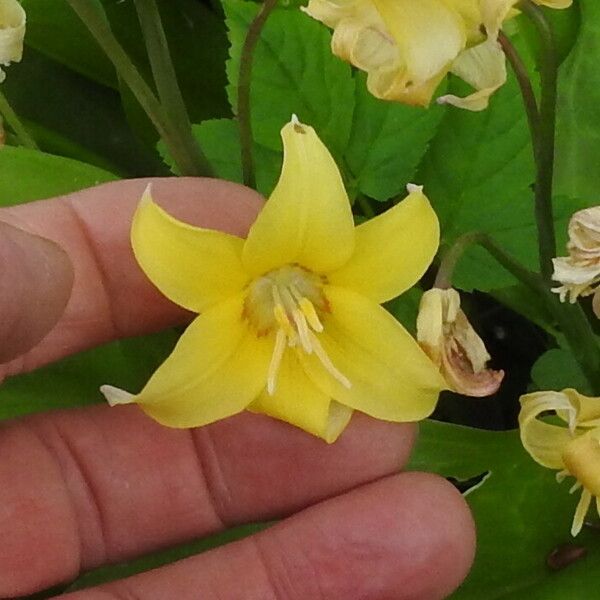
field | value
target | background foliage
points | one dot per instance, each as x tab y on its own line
476	168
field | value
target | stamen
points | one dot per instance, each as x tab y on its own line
276	358
303	330
308	309
562	475
280	313
575	487
326	362
299	320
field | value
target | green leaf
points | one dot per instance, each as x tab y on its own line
578	138
387	142
557	369
75	116
56	31
27	175
198	47
521	514
220	142
76	380
294	72
478	174
523	301
197	42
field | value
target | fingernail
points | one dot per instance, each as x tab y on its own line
36	278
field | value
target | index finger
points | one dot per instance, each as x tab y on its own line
111	296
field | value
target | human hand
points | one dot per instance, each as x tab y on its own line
87	487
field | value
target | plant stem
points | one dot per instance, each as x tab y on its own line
527	92
571	318
454	253
365	206
11	117
166	83
546	134
243	90
95	20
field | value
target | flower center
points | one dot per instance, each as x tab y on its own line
290	301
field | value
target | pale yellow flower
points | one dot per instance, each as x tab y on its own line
573	448
446	335
408	46
579	273
290	321
12	33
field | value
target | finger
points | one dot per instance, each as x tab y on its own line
409	536
35	286
111	296
85	487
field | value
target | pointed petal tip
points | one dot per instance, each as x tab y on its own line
116	396
413	188
147	195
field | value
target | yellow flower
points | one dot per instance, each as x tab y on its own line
291	324
446	335
408	46
12	32
572	449
579	273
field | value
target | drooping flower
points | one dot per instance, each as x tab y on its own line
408	46
447	337
573	449
579	273
290	321
12	33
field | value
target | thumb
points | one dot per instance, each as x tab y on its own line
36	277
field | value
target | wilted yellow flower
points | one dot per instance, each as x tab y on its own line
573	449
446	335
291	324
408	46
12	32
579	273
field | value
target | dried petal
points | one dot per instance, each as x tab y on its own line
445	334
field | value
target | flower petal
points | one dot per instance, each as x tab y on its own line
484	68
429	35
331	13
217	368
191	266
545	442
391	377
494	13
587	409
12	32
392	251
307	220
296	400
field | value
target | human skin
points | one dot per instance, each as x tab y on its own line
92	486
